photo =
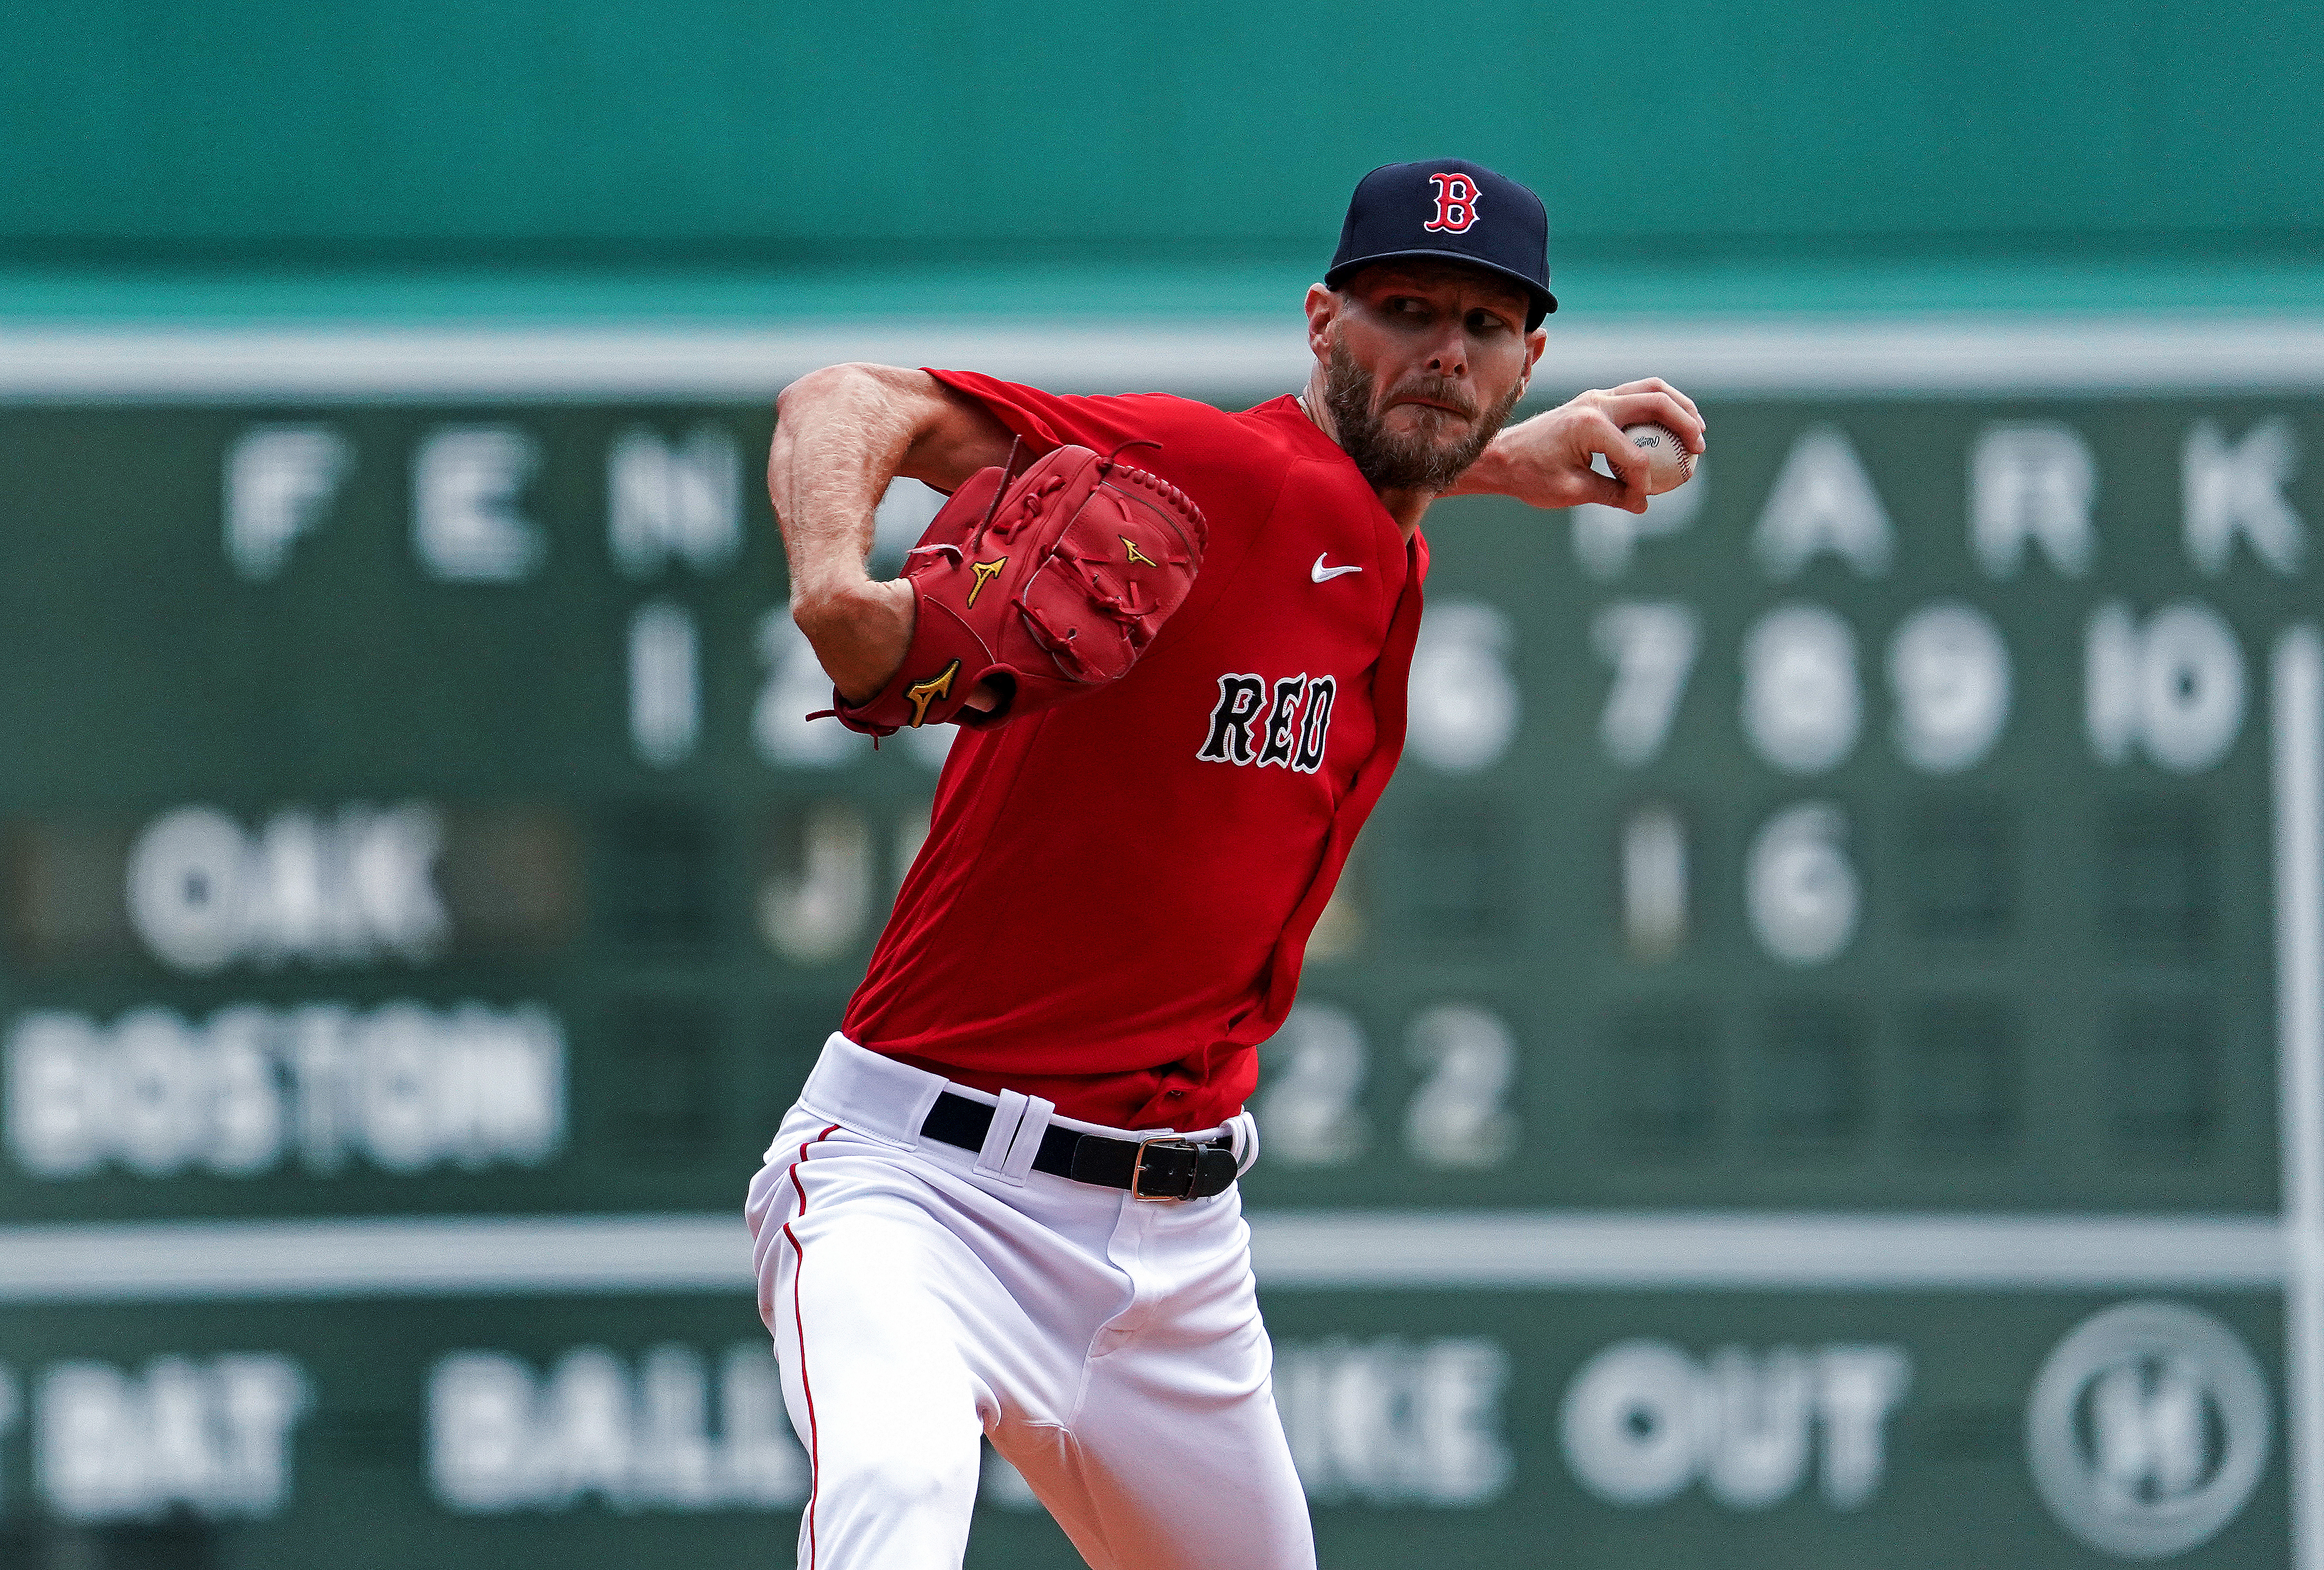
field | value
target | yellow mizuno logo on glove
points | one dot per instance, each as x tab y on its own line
924	693
984	571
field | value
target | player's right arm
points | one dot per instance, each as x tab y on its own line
841	435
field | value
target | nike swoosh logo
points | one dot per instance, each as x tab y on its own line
1323	573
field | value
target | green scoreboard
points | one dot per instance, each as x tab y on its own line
1818	1060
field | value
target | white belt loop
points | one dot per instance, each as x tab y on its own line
1015	1137
1242	1139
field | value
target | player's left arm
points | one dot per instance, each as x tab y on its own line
1545	461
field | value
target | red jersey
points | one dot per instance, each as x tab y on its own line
1115	895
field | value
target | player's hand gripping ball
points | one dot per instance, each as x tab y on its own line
1669	465
1048	585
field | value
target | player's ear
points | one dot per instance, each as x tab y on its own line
1323	310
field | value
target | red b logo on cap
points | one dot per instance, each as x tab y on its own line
1456	203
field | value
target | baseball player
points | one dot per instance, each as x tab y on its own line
1177	640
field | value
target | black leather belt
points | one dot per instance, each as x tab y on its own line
1167	1167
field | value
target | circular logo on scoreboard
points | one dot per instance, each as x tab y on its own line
2147	1429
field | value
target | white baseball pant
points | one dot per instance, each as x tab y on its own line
919	1294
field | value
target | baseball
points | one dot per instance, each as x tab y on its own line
1669	465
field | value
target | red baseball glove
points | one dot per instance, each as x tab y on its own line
1047	586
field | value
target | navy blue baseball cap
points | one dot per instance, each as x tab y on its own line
1453	210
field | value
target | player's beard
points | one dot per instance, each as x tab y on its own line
1418	460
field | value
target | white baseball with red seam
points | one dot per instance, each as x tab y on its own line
1669	465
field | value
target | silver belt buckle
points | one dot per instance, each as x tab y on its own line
1138	1170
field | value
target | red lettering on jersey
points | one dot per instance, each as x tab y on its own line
1456	203
1288	732
1315	725
1240	697
1278	741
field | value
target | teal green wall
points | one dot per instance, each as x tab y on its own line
713	129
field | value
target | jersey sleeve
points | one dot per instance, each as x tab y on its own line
1050	420
1232	466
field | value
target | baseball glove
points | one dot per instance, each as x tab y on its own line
1047	586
